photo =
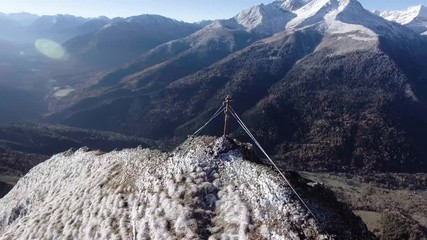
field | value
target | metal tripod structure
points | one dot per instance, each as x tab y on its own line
228	110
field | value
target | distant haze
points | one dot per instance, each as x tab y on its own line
188	10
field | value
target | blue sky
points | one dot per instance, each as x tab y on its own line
186	10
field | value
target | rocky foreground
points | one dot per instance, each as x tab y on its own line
205	189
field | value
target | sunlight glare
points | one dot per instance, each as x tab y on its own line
50	49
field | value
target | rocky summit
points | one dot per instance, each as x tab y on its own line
204	189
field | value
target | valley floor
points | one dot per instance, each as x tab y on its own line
400	205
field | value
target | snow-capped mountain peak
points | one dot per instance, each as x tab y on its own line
345	17
333	16
404	16
268	19
414	17
319	11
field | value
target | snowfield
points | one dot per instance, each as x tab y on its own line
203	190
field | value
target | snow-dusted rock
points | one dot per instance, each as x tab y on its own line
293	5
202	190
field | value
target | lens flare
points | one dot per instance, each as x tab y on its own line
50	49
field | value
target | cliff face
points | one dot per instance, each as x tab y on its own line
204	189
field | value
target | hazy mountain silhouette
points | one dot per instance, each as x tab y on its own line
120	40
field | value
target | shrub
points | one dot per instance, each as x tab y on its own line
394	227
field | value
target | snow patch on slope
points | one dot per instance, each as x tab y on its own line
293	5
204	189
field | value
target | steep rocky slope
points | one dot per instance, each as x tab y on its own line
204	189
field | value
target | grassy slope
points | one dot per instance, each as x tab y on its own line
372	200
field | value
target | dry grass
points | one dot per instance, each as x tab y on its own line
12	180
371	219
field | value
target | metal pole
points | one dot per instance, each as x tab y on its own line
227	103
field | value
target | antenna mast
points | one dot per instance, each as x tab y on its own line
227	103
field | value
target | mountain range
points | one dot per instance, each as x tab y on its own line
413	17
96	40
121	40
26	27
31	80
323	84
